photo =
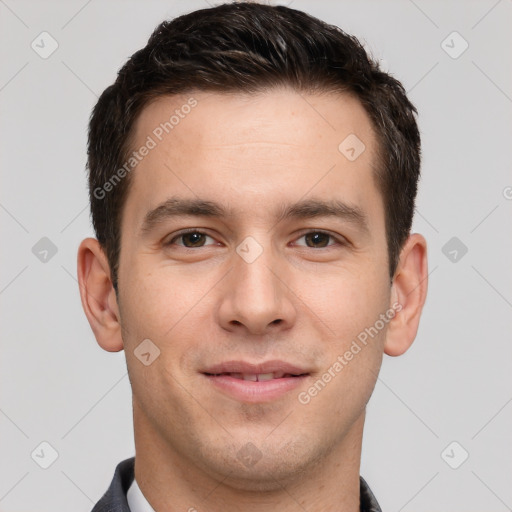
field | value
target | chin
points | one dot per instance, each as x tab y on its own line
245	467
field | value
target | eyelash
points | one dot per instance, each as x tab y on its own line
332	237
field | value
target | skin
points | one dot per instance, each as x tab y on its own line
297	302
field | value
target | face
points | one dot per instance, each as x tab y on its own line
253	256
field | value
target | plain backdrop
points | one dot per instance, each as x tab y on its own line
446	399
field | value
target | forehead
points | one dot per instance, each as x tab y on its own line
253	149
287	116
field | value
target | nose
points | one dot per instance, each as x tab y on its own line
256	296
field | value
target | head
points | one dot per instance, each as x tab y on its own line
293	163
251	48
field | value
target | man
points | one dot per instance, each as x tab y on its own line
252	184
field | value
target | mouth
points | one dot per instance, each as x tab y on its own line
255	383
256	377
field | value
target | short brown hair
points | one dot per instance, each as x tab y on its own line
251	47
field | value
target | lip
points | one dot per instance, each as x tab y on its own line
255	391
246	367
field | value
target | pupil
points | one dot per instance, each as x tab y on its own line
194	239
318	239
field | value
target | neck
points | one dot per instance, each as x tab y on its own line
173	483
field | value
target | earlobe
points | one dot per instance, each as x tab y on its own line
408	294
98	295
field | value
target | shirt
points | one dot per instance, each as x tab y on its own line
136	500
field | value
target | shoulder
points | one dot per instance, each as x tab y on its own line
368	501
114	500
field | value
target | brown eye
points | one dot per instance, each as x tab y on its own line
191	240
317	239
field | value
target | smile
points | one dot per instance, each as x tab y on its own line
257	377
255	383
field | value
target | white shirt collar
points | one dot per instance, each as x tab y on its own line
136	500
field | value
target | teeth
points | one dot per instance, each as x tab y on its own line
257	377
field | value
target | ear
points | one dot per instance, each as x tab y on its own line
98	295
408	294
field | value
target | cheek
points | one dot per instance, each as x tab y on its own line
347	300
351	308
169	315
171	309
152	305
351	305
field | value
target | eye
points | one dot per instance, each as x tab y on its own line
190	239
318	239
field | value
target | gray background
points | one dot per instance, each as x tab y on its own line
58	386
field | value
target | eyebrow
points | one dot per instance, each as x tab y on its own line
305	209
175	207
313	208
